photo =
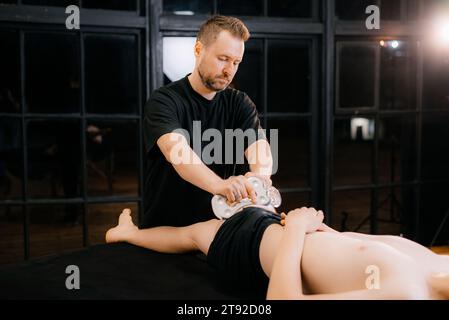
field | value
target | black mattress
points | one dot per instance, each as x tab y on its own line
115	271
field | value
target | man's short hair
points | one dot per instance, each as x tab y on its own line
210	30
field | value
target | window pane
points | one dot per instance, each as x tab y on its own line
353	9
112	158
397	149
183	7
54	158
404	205
433	209
11	163
11	229
397	75
351	210
249	77
431	7
130	5
435	147
356	76
240	7
436	78
288	76
56	3
395	209
53	229
10	72
390	9
102	217
412	9
293	200
290	8
111	74
178	58
293	152
353	150
52	73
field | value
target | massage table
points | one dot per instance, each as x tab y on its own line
115	271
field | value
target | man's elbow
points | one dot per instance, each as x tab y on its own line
172	146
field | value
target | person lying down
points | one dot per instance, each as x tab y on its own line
296	256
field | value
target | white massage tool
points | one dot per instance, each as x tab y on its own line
265	196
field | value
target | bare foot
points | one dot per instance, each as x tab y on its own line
124	228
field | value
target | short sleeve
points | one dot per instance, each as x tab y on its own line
161	117
248	119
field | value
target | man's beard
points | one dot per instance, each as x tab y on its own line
211	83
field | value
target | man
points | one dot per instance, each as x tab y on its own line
176	191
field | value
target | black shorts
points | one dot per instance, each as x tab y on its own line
234	252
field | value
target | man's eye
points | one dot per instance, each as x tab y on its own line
222	59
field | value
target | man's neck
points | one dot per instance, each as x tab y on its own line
199	87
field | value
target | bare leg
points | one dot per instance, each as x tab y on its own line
164	239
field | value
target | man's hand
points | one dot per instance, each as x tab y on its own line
265	178
236	188
308	218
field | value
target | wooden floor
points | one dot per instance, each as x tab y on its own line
441	250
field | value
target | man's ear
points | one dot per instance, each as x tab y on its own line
197	48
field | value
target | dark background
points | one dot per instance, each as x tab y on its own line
71	105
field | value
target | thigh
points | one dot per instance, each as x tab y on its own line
203	233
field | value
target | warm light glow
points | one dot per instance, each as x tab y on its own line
441	31
382	43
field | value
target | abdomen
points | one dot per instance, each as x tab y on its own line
332	262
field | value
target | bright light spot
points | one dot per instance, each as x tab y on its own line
443	34
441	31
394	44
177	56
363	125
382	43
184	13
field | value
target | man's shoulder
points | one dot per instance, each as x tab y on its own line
168	94
173	88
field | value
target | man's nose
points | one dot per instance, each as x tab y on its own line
227	71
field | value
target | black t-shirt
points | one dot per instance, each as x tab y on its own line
170	200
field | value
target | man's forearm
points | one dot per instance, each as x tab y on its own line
197	173
260	158
186	162
264	170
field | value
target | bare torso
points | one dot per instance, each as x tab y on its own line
338	262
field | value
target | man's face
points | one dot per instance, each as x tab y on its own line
219	61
